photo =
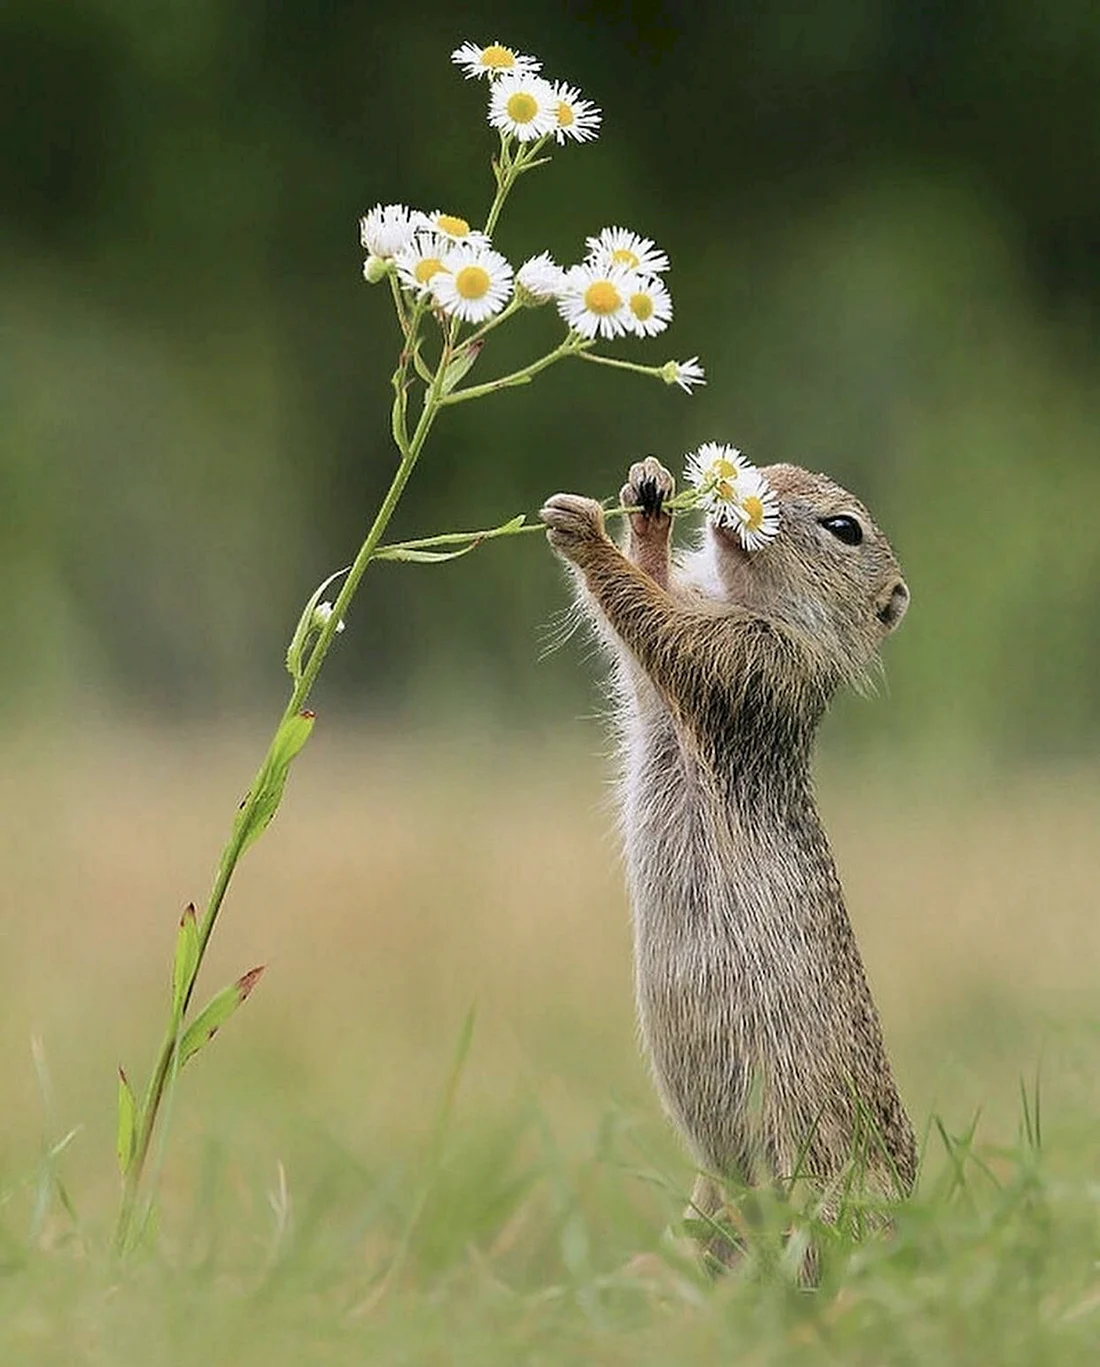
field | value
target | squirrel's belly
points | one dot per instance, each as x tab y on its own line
751	996
714	1039
729	997
704	1064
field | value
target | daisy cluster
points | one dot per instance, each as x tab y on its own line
437	256
734	493
439	260
617	289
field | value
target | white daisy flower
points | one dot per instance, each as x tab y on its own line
453	228
321	614
388	228
475	285
718	471
650	306
594	300
523	105
621	247
540	279
421	261
577	119
757	511
684	373
492	61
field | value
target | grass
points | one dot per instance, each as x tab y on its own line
361	1171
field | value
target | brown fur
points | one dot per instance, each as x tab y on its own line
765	1043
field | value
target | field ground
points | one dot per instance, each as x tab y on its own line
307	1214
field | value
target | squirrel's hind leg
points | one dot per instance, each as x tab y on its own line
708	1218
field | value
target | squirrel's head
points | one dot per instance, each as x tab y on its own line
829	576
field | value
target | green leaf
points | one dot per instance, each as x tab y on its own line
304	629
416	557
417	552
127	1124
460	367
290	738
256	811
187	957
215	1013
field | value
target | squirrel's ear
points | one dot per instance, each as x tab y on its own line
891	607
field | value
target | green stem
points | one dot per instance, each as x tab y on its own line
572	346
399	303
426	543
163	1069
682	503
508	170
612	361
410	326
512	307
506	178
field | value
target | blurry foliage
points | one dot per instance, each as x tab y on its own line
883	221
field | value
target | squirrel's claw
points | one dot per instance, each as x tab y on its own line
648	485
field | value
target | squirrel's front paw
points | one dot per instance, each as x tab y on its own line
649	487
572	521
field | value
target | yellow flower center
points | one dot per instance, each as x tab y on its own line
602	297
472	282
455	227
426	267
724	469
565	114
754	512
522	107
725	491
623	257
498	58
641	306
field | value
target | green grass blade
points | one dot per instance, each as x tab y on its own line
440	1131
126	1139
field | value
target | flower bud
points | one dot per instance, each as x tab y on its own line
321	614
375	269
539	280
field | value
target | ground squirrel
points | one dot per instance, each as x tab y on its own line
764	1040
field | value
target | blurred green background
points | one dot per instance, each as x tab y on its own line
884	223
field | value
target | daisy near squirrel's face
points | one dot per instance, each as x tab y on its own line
735	494
853	592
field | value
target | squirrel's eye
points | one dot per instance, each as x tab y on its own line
845	529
